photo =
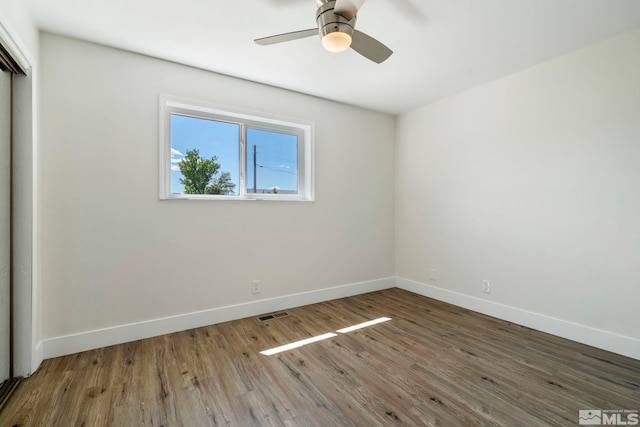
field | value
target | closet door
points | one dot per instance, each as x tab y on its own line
5	225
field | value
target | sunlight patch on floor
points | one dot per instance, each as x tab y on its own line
306	341
298	344
363	325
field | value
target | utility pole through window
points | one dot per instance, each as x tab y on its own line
255	169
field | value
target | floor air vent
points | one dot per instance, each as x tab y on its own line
272	316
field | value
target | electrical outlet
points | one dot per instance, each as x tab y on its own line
255	286
486	286
433	275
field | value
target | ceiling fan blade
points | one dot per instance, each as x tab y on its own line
369	47
287	37
347	8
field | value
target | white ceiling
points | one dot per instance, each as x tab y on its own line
441	47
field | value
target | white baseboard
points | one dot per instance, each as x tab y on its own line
37	357
68	344
610	341
75	343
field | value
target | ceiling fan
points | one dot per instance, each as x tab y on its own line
336	21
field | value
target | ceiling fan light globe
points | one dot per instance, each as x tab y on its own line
336	41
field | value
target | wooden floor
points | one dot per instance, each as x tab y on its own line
432	364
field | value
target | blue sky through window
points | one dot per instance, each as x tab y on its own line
276	161
211	138
276	153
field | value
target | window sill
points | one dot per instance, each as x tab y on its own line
259	198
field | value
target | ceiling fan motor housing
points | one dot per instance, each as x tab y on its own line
329	22
336	27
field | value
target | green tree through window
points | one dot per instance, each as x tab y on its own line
200	175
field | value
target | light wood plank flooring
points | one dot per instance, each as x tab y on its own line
432	364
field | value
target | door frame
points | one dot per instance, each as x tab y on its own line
27	351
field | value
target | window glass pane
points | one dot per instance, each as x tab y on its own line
272	162
205	156
213	152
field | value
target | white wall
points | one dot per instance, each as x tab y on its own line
532	182
113	254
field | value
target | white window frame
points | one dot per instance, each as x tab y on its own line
304	129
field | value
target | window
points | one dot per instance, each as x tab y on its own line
213	152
